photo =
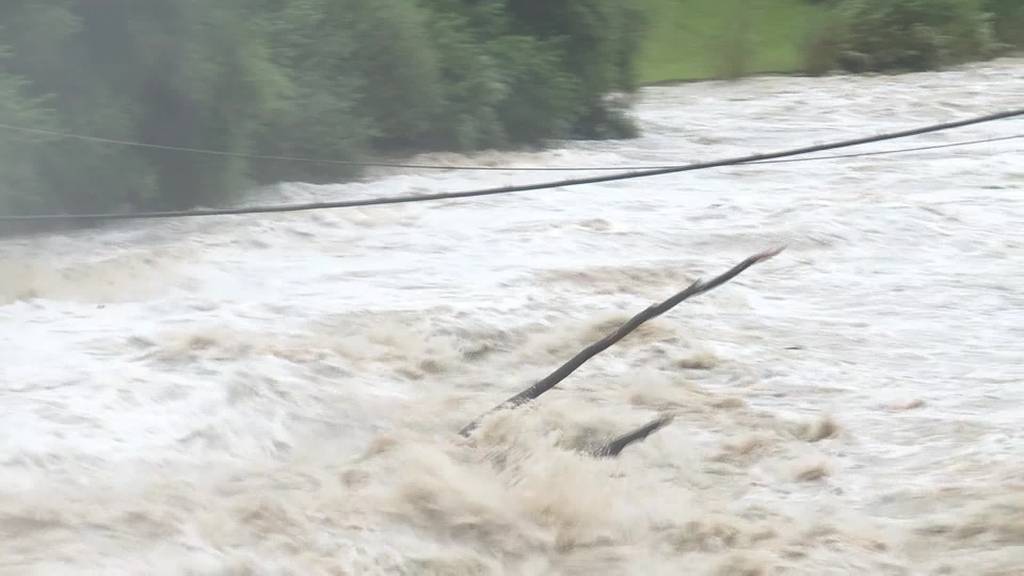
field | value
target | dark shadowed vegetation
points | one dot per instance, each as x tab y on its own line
909	35
338	79
351	79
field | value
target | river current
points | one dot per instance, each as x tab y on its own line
280	394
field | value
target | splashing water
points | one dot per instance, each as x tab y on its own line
280	394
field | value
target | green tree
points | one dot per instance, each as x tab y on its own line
47	50
197	77
329	79
599	41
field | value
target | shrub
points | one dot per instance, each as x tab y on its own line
1008	16
48	53
906	35
540	99
176	73
317	113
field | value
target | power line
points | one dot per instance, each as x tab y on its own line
302	159
404	199
892	150
453	167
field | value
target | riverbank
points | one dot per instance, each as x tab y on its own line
706	39
695	40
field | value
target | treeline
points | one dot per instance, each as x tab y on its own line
910	35
338	79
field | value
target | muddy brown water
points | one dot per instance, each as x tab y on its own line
279	394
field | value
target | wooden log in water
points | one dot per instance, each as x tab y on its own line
563	371
613	448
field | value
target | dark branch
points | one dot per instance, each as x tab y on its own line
551	380
612	449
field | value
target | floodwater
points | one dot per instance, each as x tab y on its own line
281	394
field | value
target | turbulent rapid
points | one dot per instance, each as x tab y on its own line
281	394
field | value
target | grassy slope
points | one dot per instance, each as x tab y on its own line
699	39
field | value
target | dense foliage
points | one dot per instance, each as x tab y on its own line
1009	20
905	35
333	79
